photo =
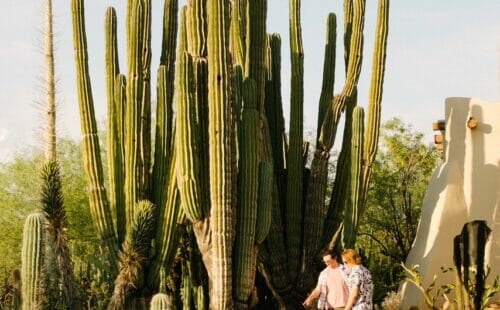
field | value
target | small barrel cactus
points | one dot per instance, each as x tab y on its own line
32	261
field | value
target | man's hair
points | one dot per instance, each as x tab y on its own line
332	252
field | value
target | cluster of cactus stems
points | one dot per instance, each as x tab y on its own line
223	163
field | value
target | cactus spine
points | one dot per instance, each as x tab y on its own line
32	258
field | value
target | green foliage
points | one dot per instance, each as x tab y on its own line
401	172
434	295
18	192
19	197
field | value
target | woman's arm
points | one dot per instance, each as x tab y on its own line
353	296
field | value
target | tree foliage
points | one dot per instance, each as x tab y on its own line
401	173
20	195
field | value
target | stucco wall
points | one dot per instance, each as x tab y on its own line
465	187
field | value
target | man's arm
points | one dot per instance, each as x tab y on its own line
353	296
314	294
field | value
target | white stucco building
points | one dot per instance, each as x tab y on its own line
465	187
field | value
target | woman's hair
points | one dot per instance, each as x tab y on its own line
351	256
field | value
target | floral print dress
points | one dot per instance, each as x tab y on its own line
361	278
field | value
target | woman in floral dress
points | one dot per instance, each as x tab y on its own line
359	282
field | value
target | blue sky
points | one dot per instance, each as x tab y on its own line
436	49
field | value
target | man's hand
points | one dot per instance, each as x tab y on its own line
306	302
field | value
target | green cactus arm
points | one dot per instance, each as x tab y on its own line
264	202
163	136
256	47
328	71
32	260
187	142
161	301
246	212
316	186
274	114
167	236
222	153
340	193
134	255
348	18
353	203
375	100
275	241
238	49
187	131
145	119
99	205
196	40
164	112
169	34
294	158
196	24
115	117
133	107
119	155
331	120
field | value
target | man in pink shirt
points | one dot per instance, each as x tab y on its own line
332	286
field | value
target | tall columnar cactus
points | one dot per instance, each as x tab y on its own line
98	200
354	201
316	191
294	159
376	89
32	259
230	171
115	85
133	166
221	152
245	253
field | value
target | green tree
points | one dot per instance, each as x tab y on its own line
20	195
401	173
